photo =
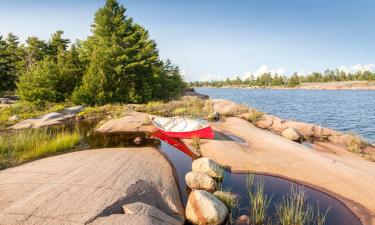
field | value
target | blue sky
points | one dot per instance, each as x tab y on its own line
218	39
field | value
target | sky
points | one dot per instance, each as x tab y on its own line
215	39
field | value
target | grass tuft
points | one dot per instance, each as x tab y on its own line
253	115
356	143
259	201
196	143
294	210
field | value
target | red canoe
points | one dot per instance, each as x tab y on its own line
183	127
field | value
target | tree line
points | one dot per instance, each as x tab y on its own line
268	79
117	63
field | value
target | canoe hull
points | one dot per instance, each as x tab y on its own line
204	133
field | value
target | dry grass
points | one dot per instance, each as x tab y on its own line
196	144
253	115
187	106
356	143
236	110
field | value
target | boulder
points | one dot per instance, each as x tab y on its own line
278	125
199	180
264	122
209	167
141	208
73	110
50	116
14	118
291	134
204	208
136	122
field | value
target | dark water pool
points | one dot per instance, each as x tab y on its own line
338	213
343	110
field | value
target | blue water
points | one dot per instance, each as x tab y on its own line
343	110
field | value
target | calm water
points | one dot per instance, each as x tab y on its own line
343	110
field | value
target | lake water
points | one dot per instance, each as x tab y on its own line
343	110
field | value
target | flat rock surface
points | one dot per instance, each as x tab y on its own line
135	122
89	187
349	178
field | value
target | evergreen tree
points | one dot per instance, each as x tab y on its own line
5	66
35	51
124	61
57	43
15	59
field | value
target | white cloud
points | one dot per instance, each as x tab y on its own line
357	67
210	77
264	69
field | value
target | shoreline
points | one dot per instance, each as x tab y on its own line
343	85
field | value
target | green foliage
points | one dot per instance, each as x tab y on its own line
123	63
31	144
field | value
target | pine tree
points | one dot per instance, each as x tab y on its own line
5	67
124	61
35	50
57	43
15	59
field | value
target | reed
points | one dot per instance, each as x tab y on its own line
259	202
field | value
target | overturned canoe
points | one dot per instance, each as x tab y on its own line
183	127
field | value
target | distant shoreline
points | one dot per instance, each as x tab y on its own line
342	85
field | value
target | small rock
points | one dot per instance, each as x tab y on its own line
14	118
199	180
138	140
291	134
209	167
243	220
141	208
214	116
204	208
